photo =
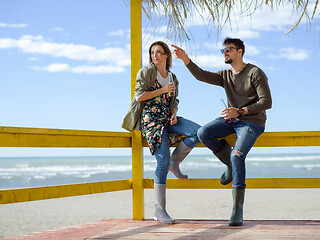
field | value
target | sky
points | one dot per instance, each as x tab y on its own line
66	65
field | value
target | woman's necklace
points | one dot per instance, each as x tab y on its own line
164	73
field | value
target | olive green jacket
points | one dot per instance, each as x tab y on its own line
145	79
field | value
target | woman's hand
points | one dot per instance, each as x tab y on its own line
170	87
173	119
151	94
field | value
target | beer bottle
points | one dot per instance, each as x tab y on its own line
171	94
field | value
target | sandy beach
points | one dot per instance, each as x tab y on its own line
276	204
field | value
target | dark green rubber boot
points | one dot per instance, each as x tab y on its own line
224	156
237	211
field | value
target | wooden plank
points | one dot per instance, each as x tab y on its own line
137	177
277	139
72	132
288	139
183	229
39	137
136	41
63	141
42	193
252	183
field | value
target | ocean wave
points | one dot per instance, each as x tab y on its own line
43	172
48	171
83	171
197	165
284	158
22	165
275	158
307	166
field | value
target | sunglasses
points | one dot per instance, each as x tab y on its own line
227	49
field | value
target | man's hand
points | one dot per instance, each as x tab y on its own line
232	112
229	113
180	54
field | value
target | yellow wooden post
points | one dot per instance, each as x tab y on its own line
137	176
137	147
135	31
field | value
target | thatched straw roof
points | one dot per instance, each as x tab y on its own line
174	13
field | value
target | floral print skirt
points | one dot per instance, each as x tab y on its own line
154	117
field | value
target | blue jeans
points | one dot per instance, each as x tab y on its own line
183	127
247	134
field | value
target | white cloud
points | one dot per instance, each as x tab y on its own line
251	50
54	67
116	58
98	69
150	37
272	68
33	59
291	54
6	43
62	67
21	25
215	46
119	33
244	34
57	67
212	60
57	29
37	44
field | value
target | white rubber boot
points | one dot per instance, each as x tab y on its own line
160	213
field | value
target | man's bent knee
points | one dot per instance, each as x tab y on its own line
202	133
236	153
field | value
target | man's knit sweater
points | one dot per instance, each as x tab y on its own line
249	88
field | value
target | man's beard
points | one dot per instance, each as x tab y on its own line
228	61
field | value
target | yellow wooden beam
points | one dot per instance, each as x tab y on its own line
42	193
278	139
46	131
252	183
40	137
261	183
289	139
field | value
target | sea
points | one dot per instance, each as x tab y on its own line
21	172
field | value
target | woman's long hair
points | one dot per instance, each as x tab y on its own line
166	51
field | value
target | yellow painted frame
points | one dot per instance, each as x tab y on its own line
41	137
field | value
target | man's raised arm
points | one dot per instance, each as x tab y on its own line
180	54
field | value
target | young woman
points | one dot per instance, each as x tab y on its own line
153	110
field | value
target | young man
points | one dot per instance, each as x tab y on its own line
249	97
